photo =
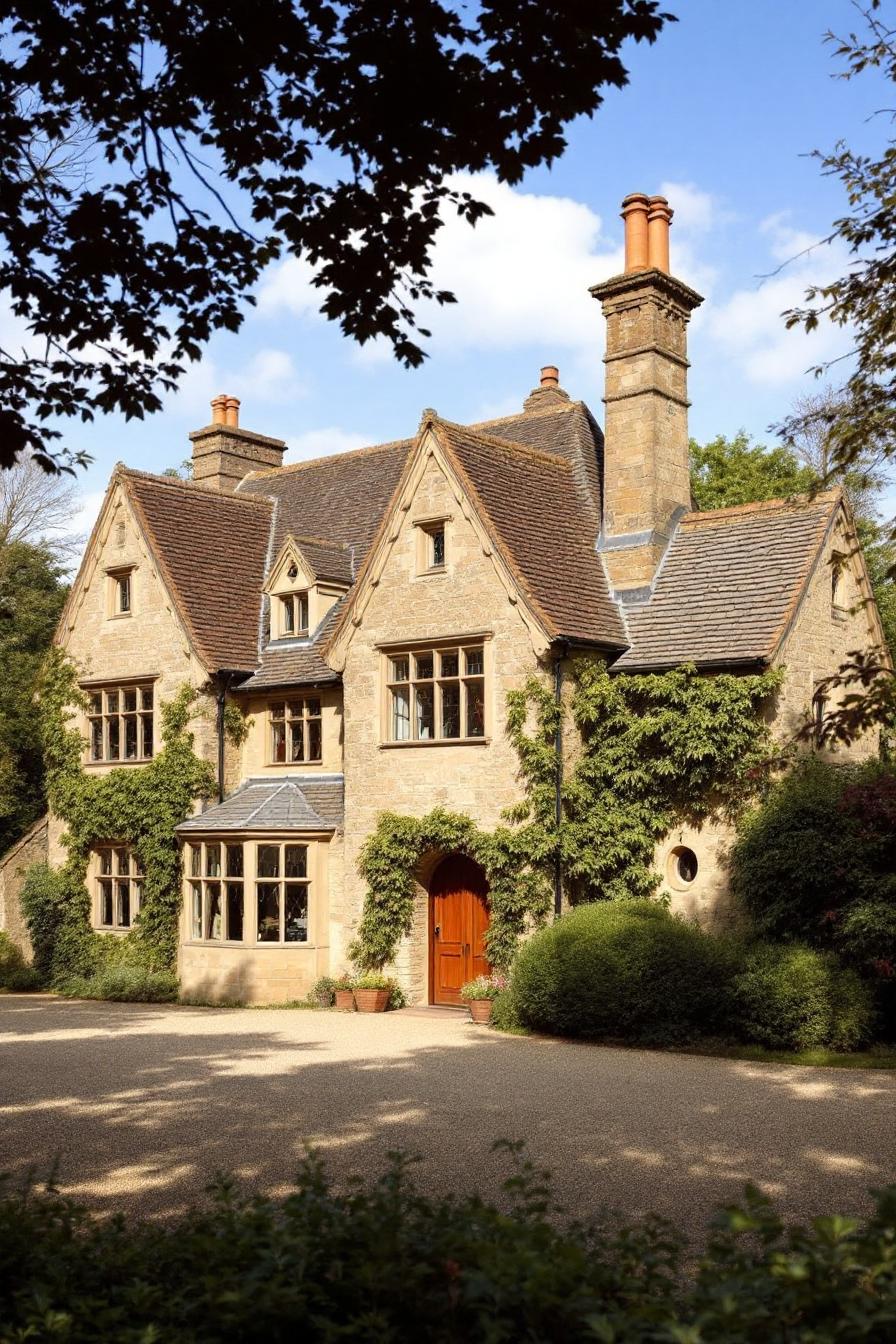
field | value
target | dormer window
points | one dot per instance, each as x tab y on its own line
293	615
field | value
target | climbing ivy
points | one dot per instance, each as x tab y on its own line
649	751
138	807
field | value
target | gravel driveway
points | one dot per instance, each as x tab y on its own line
141	1104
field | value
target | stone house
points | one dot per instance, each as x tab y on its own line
370	611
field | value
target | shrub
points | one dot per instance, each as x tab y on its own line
626	970
322	992
792	997
124	983
385	1262
483	987
15	973
505	1016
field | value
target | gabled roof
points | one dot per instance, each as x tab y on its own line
729	585
212	551
296	662
332	560
282	803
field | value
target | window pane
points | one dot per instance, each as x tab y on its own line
278	709
399	669
312	708
296	740
112	702
268	912
113	738
146	697
302	601
295	709
296	861
130	738
278	741
314	740
106	861
401	715
196	909
296	921
287	616
449	665
424	666
146	721
438	546
123	903
450	709
195	860
235	912
95	704
425	719
475	665
136	897
268	860
106	904
96	739
213	860
475	709
129	699
234	860
124	593
213	928
122	864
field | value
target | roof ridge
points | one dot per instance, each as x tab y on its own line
273	472
509	445
800	500
175	482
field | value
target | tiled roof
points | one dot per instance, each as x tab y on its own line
546	528
729	585
293	662
328	559
284	803
212	549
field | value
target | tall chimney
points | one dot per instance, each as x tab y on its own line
646	483
223	454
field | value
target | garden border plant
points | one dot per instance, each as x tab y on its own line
135	806
655	750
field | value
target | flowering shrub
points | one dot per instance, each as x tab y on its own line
483	987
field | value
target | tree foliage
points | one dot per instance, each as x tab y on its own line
213	138
725	472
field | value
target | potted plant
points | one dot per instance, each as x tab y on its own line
372	992
343	994
479	994
322	991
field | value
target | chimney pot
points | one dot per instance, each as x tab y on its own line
233	412
634	213
550	376
219	410
659	218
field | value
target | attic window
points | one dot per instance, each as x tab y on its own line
121	592
838	581
293	615
432	546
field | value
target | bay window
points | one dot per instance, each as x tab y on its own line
281	892
216	892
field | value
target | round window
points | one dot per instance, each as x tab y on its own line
683	865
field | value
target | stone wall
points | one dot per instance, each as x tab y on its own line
32	848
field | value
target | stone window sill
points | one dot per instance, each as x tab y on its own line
250	947
92	765
439	742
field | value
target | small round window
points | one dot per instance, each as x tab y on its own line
682	866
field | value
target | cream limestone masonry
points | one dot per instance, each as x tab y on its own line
32	848
150	641
257	747
822	635
473	596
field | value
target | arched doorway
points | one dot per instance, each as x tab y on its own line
458	919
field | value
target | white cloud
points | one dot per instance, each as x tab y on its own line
324	442
272	376
694	211
287	287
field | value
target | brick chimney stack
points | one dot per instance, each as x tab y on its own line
223	454
646	478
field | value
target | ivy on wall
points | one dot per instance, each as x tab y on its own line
134	806
650	751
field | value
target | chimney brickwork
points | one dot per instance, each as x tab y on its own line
646	475
224	454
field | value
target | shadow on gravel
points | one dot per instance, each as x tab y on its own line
142	1104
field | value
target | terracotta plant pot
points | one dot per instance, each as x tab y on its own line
345	1001
372	1000
480	1010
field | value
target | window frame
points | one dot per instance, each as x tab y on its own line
282	880
200	883
288	720
113	879
427	531
119	579
249	844
143	717
298	607
431	709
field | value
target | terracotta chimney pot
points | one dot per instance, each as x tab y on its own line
233	412
634	212
219	410
658	220
550	376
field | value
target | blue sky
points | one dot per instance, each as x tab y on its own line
721	114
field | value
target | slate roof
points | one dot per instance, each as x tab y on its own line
282	803
212	549
729	585
296	662
328	559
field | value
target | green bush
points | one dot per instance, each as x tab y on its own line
387	1263
15	973
792	997
124	983
322	992
505	1016
625	970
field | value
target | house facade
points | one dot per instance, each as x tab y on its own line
369	613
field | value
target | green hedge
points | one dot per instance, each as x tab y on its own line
626	970
791	997
15	973
385	1263
124	983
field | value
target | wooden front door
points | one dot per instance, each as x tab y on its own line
458	919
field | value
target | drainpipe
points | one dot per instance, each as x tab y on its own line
558	775
226	678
